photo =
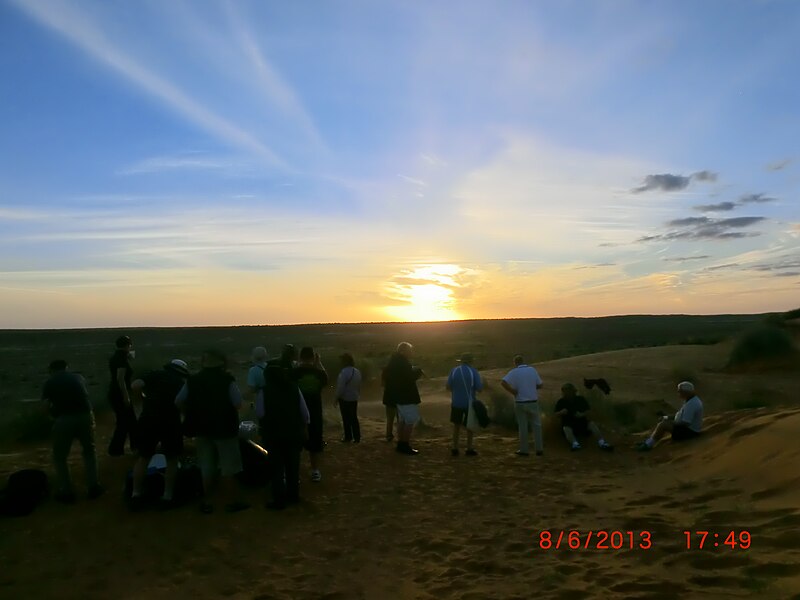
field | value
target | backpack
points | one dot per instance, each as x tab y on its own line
25	491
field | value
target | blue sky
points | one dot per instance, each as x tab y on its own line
188	163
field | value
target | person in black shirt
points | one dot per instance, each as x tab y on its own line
573	410
312	378
159	423
121	372
400	390
67	400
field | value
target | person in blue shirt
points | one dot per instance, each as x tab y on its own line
463	382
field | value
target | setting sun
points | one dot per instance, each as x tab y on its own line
425	293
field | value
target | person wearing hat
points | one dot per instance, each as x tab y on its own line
159	423
119	366
463	383
688	421
573	410
348	390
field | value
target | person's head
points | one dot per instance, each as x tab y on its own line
214	359
306	354
123	343
57	366
259	354
519	360
568	390
686	389
288	353
466	359
176	365
347	360
405	349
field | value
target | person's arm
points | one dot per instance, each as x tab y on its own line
478	387
304	409
121	384
508	388
560	412
183	395
235	395
449	385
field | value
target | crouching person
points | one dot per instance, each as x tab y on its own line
67	400
574	412
211	401
159	423
284	430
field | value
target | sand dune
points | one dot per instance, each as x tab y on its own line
384	526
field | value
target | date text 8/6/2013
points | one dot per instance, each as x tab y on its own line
643	540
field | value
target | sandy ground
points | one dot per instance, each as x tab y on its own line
384	526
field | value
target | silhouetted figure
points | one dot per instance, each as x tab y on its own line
119	398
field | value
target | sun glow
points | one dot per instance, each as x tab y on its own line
425	294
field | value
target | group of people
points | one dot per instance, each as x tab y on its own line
286	394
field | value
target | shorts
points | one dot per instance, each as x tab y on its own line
154	431
218	455
683	432
315	442
579	426
458	416
408	413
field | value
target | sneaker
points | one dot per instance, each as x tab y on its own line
405	448
521	453
575	447
454	452
471	452
643	447
96	491
356	441
316	476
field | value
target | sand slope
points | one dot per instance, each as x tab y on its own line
381	525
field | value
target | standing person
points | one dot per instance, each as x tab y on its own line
688	421
348	390
255	380
67	401
210	401
574	410
390	409
119	398
159	423
400	389
284	429
312	378
523	382
463	382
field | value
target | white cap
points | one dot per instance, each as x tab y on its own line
686	386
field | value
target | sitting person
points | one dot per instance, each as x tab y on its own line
573	410
686	425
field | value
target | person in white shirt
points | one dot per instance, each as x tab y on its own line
524	383
688	421
348	390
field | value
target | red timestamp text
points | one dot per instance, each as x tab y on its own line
710	539
594	540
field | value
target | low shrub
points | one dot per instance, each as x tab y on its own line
762	343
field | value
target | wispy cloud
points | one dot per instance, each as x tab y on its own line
76	27
779	165
192	161
719	207
682	259
755	199
668	182
700	228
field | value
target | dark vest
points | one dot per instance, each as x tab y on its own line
283	421
209	412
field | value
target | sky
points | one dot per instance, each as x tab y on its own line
243	162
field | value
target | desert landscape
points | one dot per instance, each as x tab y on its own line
381	525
